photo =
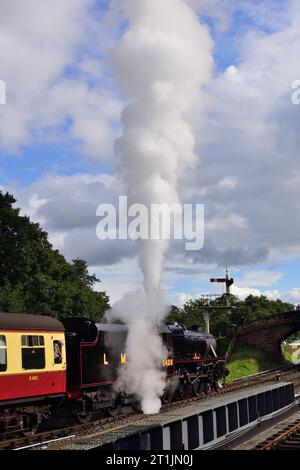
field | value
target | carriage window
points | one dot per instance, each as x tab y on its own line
3	354
33	352
32	341
57	350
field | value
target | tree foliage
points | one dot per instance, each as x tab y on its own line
35	278
252	308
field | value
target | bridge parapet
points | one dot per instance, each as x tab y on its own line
269	332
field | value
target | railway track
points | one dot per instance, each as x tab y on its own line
285	373
286	439
43	438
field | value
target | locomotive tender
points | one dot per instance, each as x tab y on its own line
46	364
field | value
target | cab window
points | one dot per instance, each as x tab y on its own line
33	352
57	351
3	354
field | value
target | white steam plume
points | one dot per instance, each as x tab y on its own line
162	62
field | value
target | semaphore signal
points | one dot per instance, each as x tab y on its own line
224	280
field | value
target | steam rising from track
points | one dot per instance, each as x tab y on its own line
162	61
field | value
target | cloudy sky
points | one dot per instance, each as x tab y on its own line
62	117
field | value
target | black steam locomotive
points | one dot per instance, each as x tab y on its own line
47	365
95	352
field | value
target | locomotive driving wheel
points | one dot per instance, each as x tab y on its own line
168	396
84	418
113	412
206	388
137	406
186	388
84	410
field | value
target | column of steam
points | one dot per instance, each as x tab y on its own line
162	61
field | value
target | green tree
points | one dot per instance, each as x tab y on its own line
252	308
255	308
35	278
190	314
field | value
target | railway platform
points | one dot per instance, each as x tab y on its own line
201	425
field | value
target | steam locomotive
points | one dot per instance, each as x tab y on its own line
46	365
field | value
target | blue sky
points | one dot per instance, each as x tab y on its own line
62	117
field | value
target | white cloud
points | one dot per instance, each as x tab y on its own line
248	178
227	183
291	295
119	279
288	295
260	278
294	295
250	141
182	299
249	174
39	40
264	14
66	207
243	292
226	221
220	11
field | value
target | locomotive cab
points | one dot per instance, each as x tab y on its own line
95	352
187	344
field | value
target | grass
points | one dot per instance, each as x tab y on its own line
288	353
247	360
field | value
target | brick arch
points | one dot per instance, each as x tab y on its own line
269	332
